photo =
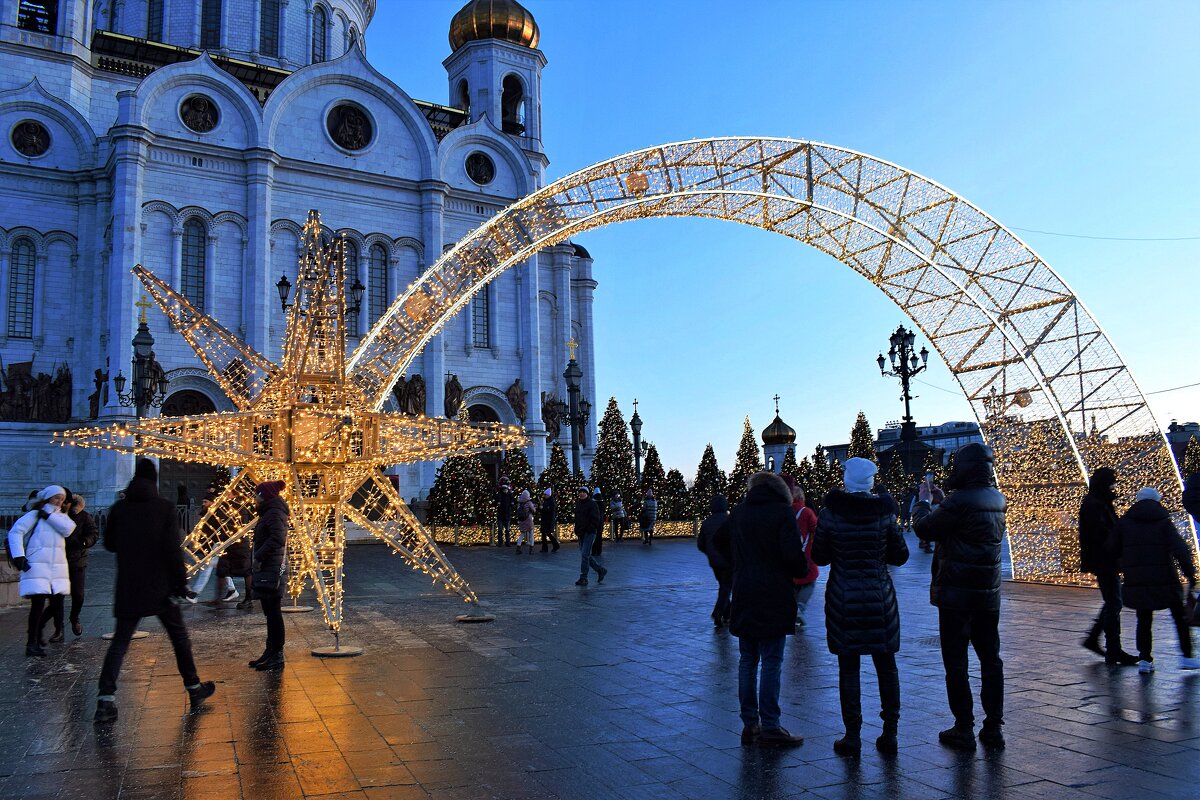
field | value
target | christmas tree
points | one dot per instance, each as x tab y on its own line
653	473
557	477
749	461
933	463
673	497
1191	457
710	480
462	493
806	478
612	467
789	467
862	443
520	474
827	474
895	480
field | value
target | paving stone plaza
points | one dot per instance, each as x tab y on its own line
622	690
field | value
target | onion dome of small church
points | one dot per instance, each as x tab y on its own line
779	432
507	20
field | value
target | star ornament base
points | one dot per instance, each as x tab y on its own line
337	651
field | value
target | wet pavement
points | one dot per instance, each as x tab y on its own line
616	691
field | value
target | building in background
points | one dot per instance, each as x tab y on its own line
947	437
193	136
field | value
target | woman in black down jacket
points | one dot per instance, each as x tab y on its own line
1149	548
270	542
858	537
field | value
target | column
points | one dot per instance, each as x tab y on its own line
584	285
210	275
177	258
433	360
531	360
5	254
259	297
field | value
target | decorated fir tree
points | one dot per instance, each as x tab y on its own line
710	480
612	466
933	463
1191	457
895	480
653	473
790	468
462	493
749	461
806	477
827	473
520	474
558	478
862	443
673	497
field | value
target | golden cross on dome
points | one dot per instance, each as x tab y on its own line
776	399
143	304
572	345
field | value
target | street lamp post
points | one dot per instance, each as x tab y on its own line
905	365
640	448
575	412
149	387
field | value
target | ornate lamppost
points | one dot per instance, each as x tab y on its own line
149	387
640	448
284	287
905	365
575	413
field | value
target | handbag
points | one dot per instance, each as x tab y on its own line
267	582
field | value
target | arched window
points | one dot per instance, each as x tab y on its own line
268	28
154	20
20	290
353	40
464	97
481	317
351	260
512	106
192	278
210	24
320	31
377	283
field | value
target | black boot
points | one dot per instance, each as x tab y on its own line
198	694
106	711
887	743
254	664
271	662
960	737
34	650
849	745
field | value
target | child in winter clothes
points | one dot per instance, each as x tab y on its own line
525	512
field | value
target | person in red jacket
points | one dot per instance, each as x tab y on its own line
806	522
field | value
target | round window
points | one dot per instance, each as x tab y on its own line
30	138
481	168
199	113
350	127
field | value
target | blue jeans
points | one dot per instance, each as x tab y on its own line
586	559
760	698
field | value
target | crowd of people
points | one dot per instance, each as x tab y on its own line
766	555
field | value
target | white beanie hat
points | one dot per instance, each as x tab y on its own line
859	475
50	491
1148	493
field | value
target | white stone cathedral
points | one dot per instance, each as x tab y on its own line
193	136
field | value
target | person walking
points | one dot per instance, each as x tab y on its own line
270	545
525	514
37	544
648	517
81	539
235	563
762	543
616	512
718	514
857	536
968	528
806	522
504	509
588	525
143	531
1152	553
548	520
1097	519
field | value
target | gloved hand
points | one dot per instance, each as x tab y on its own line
43	514
22	563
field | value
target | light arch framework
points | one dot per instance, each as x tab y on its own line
1053	396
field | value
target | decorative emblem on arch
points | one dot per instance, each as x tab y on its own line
1053	396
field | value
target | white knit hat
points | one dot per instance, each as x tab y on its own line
1148	493
50	491
859	475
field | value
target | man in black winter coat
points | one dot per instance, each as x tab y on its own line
968	527
143	530
722	569
588	524
548	520
1097	518
760	539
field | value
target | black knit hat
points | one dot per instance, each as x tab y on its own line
145	468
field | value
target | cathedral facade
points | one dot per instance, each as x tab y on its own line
193	136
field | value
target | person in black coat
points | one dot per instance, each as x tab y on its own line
548	520
588	525
270	544
1097	519
143	531
504	509
1152	554
78	543
858	537
760	539
722	570
968	528
1191	496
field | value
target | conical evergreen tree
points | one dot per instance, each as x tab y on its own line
895	479
934	464
806	477
612	467
710	480
462	493
557	477
653	473
789	467
862	442
520	474
827	474
673	500
749	461
1191	458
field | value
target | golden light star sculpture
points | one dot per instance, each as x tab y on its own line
304	422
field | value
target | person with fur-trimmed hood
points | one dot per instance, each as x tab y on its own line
968	528
37	545
761	541
1097	519
857	536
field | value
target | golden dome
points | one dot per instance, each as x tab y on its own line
779	432
494	19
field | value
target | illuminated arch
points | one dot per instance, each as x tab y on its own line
1052	394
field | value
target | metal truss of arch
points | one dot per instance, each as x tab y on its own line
1053	396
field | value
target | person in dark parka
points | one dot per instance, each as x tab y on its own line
589	523
1097	518
858	537
143	531
1152	554
722	570
761	541
270	545
968	528
1191	496
548	520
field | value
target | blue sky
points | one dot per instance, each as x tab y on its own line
1071	117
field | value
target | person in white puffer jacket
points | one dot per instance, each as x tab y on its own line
37	544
